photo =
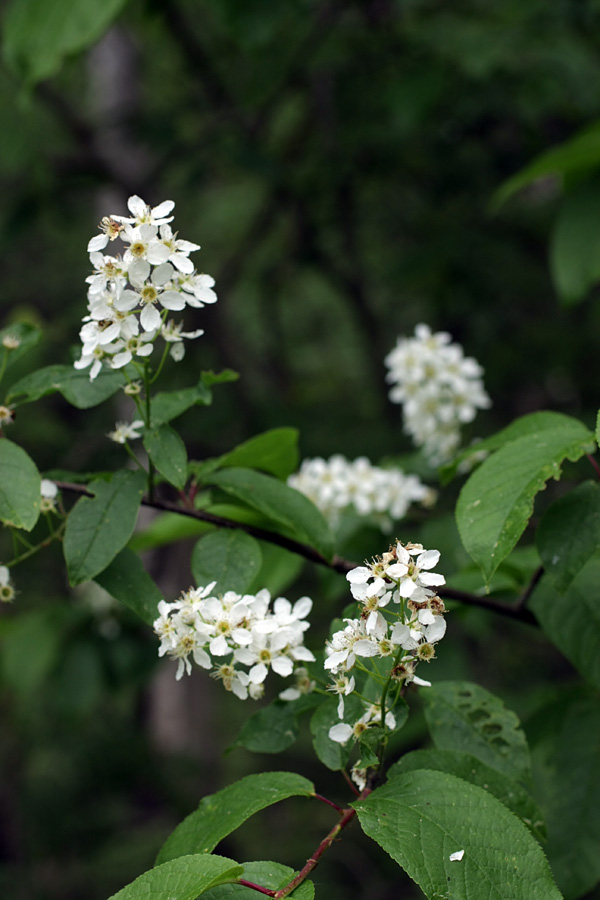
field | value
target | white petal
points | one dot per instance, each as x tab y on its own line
258	673
163	209
150	318
172	300
98	242
283	666
429	559
162	274
358	575
340	733
365	648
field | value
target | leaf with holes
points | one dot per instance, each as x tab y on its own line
465	717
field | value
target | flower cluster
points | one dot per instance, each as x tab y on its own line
440	390
130	296
337	484
233	631
401	618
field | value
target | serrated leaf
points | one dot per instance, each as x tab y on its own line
284	506
569	534
181	879
99	527
469	768
127	581
270	875
496	502
332	754
167	451
575	243
422	818
465	717
73	384
571	620
39	35
222	813
271	729
568	785
231	558
532	423
275	451
20	487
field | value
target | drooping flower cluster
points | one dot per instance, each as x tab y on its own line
239	636
130	296
440	390
337	484
401	617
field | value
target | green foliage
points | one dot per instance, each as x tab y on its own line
465	717
19	487
98	527
496	502
168	453
569	534
127	581
73	384
39	35
512	794
271	729
420	818
28	336
181	879
290	512
221	813
571	618
268	874
231	558
575	244
566	746
275	452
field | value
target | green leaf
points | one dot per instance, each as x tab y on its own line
465	717
168	405
73	384
280	568
38	35
229	557
99	527
280	503
568	786
575	244
471	769
127	581
168	528
533	423
271	729
27	335
221	813
271	875
569	534
167	451
275	452
580	154
571	620
20	486
45	629
421	818
181	879
496	502
333	755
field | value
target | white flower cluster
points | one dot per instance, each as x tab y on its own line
238	631
337	484
401	577
130	296
440	390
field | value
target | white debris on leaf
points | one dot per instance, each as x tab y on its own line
456	857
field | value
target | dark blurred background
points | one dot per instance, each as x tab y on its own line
337	162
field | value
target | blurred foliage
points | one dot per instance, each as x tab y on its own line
337	161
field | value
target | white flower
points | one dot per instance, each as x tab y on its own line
125	431
7	591
439	389
336	484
